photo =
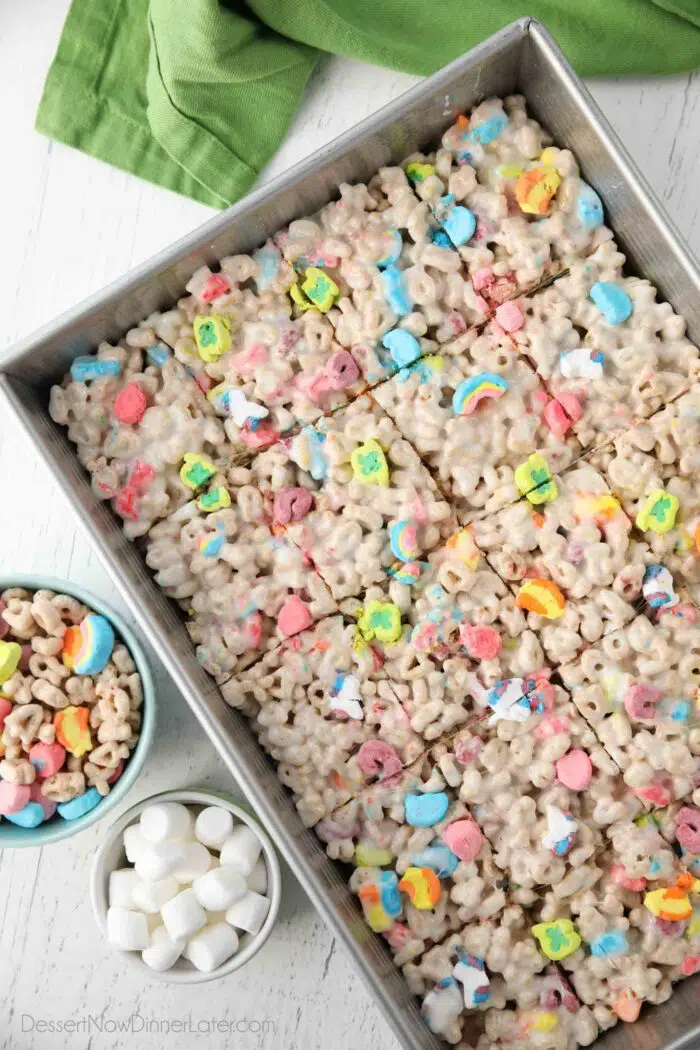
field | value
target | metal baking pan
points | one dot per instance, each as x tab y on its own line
521	58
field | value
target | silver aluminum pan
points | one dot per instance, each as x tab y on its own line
523	57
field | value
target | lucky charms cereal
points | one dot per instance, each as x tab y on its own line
421	473
70	699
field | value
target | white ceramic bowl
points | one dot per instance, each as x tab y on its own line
111	856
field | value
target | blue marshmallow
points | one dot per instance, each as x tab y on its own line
30	816
439	857
613	302
84	369
589	208
403	347
79	806
424	811
395	291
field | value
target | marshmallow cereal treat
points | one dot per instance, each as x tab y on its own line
421	473
571	556
70	700
474	418
193	888
638	688
609	353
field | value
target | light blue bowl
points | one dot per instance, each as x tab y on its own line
57	828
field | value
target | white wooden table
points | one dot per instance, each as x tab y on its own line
68	225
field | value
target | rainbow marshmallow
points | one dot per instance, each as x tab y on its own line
88	646
404	541
472	391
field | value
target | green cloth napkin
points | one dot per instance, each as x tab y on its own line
196	95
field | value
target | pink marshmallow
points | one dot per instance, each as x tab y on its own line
293	617
510	316
482	643
376	757
641	700
5	708
464	838
575	770
483	278
47	759
688	829
46	804
13	797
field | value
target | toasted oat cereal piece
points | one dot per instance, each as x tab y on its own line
474	419
570	554
637	687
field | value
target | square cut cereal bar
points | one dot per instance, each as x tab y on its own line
540	785
654	469
638	689
474	419
609	354
134	413
571	556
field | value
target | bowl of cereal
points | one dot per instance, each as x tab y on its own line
77	709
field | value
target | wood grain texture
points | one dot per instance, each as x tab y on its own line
69	225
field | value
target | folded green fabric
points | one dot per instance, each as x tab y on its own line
196	95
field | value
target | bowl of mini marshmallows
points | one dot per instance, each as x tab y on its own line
77	710
187	885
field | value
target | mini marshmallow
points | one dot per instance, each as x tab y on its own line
127	929
134	842
249	912
121	887
219	888
213	826
166	820
163	952
151	896
212	947
183	915
158	859
241	850
196	860
257	880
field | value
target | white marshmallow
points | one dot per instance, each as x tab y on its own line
151	896
153	920
212	947
166	820
213	826
122	883
134	842
257	880
158	859
163	952
195	861
241	850
249	912
127	929
219	888
183	915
